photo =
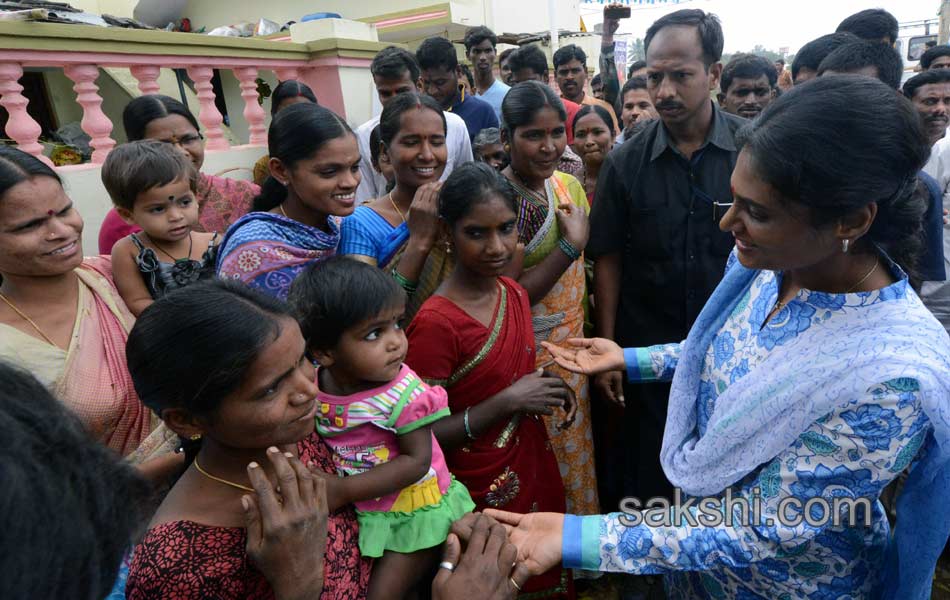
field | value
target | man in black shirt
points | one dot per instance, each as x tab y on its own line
655	239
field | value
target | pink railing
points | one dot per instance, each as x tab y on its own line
82	67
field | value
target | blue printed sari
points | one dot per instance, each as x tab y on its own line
268	251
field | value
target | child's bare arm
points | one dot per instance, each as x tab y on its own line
414	460
128	278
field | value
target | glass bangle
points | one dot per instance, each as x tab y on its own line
568	249
407	285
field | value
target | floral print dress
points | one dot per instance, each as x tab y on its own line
852	452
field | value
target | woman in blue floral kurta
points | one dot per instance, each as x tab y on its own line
813	373
854	451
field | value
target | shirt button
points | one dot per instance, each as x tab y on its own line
692	256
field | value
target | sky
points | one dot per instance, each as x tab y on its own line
772	23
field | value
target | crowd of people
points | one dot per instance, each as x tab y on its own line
369	373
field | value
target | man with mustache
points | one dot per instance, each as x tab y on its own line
655	239
570	72
747	86
930	94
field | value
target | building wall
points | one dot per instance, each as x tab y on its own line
524	16
118	8
944	27
215	13
532	15
361	100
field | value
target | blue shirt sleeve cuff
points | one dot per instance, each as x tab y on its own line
571	547
632	363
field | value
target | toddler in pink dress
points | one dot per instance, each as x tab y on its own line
375	414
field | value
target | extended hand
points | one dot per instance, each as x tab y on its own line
538	537
587	356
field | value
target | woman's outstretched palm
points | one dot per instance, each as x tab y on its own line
587	356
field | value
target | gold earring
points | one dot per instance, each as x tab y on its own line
195	437
507	147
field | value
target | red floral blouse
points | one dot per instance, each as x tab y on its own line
184	560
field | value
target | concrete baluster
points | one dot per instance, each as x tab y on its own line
287	73
253	112
147	76
94	121
21	127
208	114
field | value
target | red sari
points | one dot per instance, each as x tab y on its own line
511	466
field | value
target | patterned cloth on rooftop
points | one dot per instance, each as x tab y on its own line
511	465
268	251
833	398
221	202
366	233
91	377
184	560
557	317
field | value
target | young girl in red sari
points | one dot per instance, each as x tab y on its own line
474	337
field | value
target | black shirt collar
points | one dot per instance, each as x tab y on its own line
718	135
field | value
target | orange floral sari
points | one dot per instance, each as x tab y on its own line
557	317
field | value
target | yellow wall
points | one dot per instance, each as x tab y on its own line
118	8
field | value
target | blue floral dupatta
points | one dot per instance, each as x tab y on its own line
761	414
